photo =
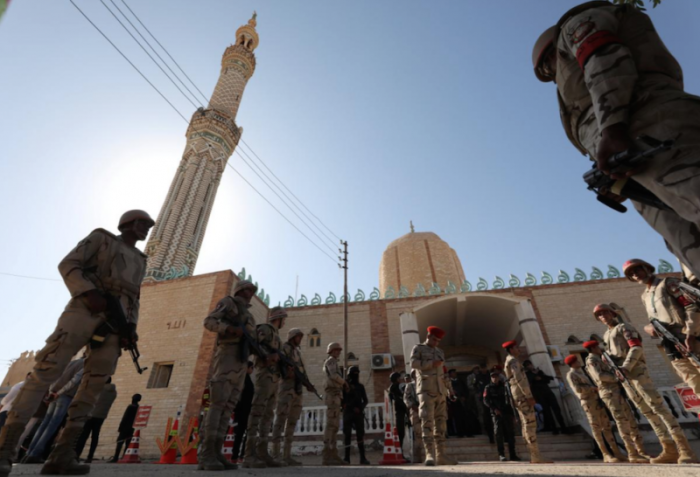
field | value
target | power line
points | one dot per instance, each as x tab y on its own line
129	61
30	277
145	50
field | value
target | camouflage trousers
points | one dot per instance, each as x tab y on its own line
622	414
688	372
262	410
417	436
528	420
225	388
641	390
74	330
289	405
330	434
600	423
674	176
432	410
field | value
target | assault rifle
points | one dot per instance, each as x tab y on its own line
690	291
675	342
511	401
284	361
618	372
116	323
600	183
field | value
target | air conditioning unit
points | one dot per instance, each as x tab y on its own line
382	361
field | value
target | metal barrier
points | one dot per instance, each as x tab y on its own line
313	420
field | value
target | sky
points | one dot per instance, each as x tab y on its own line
373	113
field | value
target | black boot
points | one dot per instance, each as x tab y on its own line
363	459
347	449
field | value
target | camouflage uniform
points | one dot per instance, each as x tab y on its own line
612	68
410	398
103	262
333	396
520	389
432	387
262	410
609	391
229	371
289	404
665	302
624	344
595	412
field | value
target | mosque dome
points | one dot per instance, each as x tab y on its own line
419	257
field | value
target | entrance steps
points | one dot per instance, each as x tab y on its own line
557	448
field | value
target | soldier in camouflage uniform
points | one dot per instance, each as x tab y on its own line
267	378
228	320
624	344
523	400
616	81
289	402
335	384
101	263
587	393
410	398
432	387
611	394
680	315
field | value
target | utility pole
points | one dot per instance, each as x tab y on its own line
345	303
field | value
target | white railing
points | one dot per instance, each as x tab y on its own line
313	420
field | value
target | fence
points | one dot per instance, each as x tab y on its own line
313	420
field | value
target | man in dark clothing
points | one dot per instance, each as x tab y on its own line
497	400
97	418
354	403
458	422
240	416
539	384
400	410
126	427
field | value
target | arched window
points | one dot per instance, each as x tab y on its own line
314	338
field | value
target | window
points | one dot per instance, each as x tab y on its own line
314	338
160	375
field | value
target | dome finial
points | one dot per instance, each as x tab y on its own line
253	21
412	228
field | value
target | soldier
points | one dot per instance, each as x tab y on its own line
101	263
267	378
523	400
290	400
396	396
681	316
587	393
335	384
354	403
624	344
616	81
228	320
432	387
410	398
609	391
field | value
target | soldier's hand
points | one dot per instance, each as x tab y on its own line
438	364
531	402
595	389
615	139
95	301
651	331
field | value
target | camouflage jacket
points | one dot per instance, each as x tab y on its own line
601	374
410	397
581	385
519	385
624	344
665	302
429	379
102	261
230	311
611	67
334	379
269	338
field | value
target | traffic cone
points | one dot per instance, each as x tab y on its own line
169	456
397	446
392	455
190	456
131	456
227	449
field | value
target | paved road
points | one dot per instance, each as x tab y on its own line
582	469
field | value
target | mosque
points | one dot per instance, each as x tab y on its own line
421	282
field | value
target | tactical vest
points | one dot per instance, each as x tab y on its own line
241	318
121	268
659	304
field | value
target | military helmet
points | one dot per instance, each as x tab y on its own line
601	307
332	346
276	313
136	214
636	262
542	46
353	370
242	285
294	332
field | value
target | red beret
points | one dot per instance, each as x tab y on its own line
509	344
571	359
590	344
439	333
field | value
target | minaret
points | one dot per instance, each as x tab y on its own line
212	136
